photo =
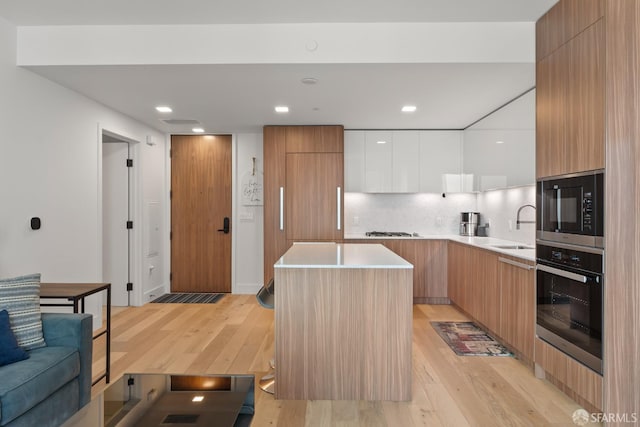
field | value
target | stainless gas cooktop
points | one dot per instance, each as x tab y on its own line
387	234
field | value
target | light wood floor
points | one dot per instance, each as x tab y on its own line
236	336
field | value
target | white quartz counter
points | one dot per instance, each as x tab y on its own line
506	247
340	255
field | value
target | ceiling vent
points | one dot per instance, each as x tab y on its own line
180	121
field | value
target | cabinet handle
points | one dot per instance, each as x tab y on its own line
516	263
281	208
338	195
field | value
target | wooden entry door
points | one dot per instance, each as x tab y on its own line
200	202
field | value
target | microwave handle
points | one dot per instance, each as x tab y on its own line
562	273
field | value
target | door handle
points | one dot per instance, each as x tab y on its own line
281	208
225	225
339	206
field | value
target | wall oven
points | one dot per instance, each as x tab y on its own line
569	309
570	209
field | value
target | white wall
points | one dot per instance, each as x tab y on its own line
500	208
248	219
49	167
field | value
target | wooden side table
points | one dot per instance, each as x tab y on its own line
76	293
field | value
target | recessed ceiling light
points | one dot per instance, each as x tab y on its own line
499	142
163	109
197	130
282	109
197	398
409	109
382	142
309	80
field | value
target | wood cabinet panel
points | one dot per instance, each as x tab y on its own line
573	378
517	308
429	260
570	106
309	196
585	139
563	22
314	139
622	299
275	240
314	196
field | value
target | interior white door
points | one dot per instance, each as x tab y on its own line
115	213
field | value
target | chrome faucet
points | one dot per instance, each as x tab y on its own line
518	222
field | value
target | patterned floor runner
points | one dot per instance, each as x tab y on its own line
467	339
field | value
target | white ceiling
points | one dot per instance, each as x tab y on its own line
240	98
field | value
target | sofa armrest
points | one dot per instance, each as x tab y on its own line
73	330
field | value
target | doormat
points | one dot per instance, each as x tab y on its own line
467	339
182	298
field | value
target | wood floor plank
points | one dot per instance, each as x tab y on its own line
235	335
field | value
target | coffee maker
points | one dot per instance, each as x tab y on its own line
469	223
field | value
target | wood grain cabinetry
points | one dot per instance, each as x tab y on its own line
497	291
573	378
570	105
429	260
303	187
517	305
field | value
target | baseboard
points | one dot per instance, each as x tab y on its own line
246	288
153	293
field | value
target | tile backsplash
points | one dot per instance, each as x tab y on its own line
429	213
424	213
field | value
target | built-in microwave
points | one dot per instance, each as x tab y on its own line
570	209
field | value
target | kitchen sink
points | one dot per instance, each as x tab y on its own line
513	247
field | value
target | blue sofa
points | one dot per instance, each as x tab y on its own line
55	381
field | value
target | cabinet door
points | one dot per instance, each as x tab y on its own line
314	196
440	154
378	162
275	240
405	165
459	274
517	322
431	278
354	161
314	139
585	139
484	288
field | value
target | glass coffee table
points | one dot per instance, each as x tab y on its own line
146	400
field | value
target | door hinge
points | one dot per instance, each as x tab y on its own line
171	235
129	163
170	276
129	286
130	381
170	152
129	225
170	194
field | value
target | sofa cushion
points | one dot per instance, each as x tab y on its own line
20	296
10	352
26	383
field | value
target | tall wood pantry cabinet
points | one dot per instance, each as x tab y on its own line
303	188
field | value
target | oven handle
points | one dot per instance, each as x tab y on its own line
562	273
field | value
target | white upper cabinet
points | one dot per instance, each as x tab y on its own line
440	161
406	162
378	162
354	161
402	161
500	150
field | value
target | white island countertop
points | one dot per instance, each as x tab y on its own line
340	255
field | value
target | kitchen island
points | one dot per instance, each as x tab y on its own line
343	323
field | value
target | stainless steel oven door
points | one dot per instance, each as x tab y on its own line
569	312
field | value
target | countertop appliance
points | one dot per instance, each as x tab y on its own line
569	300
469	223
571	209
387	234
